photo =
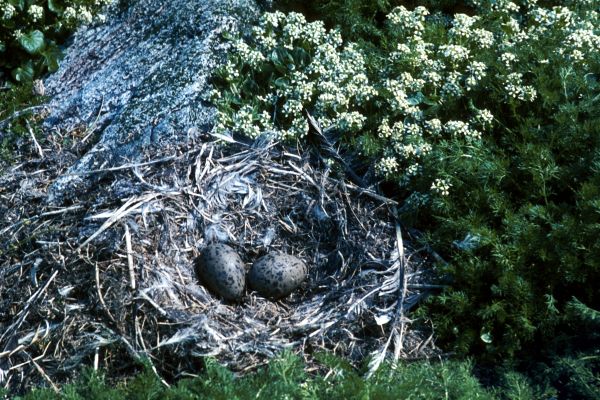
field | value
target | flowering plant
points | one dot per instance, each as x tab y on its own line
485	122
290	65
31	30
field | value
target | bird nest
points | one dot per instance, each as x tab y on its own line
111	277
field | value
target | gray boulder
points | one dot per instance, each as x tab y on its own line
139	80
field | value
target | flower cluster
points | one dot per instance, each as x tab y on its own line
441	187
36	12
314	71
431	73
31	32
8	11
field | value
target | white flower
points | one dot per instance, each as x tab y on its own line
477	68
272	19
461	25
252	57
432	77
512	25
505	6
508	59
8	11
413	129
299	128
482	38
70	14
410	22
441	187
292	108
352	121
514	88
84	15
244	122
387	166
231	70
451	87
36	12
433	126
483	118
455	53
384	131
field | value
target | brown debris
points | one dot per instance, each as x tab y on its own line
110	279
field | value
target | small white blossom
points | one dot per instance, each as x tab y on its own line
35	12
434	126
483	118
352	121
70	14
8	11
461	25
455	53
411	22
441	187
508	59
84	15
247	54
483	39
387	166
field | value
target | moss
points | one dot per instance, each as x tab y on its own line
14	101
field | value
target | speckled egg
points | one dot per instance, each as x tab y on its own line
221	269
277	274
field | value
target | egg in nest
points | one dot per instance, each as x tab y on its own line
222	270
277	274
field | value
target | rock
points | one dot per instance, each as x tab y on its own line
222	270
38	88
139	80
277	274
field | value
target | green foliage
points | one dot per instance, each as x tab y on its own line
14	100
487	124
575	377
31	32
286	378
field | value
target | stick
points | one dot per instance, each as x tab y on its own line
37	145
129	257
121	167
44	375
17	114
25	309
402	278
100	297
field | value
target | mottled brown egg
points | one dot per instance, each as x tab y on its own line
277	274
221	269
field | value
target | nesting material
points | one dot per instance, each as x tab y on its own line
222	270
277	274
94	292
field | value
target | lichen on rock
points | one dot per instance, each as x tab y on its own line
140	79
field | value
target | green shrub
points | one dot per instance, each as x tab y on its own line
15	122
285	378
31	32
488	127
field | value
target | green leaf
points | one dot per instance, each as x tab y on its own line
281	83
55	7
51	56
33	42
416	99
20	4
226	35
486	337
23	74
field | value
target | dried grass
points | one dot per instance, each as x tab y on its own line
109	279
